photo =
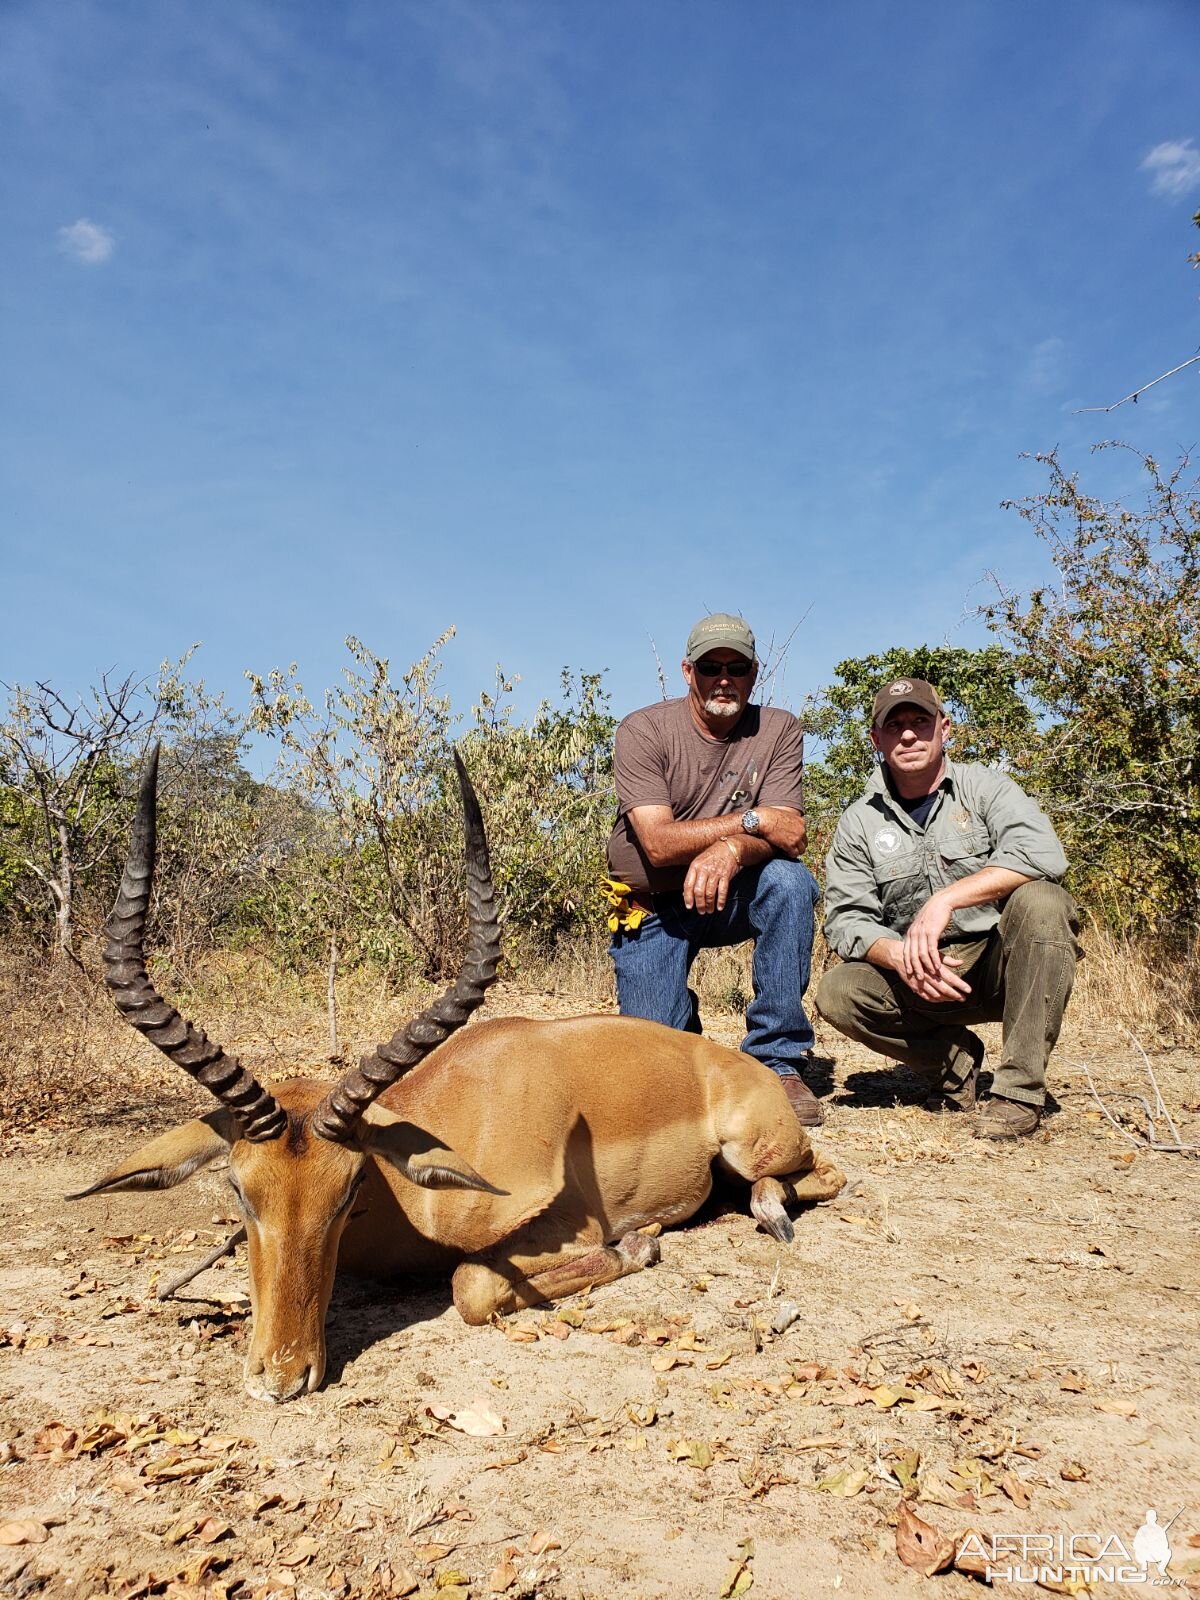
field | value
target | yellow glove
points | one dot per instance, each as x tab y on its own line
623	915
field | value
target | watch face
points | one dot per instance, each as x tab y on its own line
750	821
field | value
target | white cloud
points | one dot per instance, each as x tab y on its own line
1175	165
87	242
1047	365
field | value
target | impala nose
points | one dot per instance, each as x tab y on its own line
277	1381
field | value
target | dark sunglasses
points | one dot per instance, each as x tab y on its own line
708	668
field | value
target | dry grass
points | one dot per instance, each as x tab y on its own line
1149	988
62	1047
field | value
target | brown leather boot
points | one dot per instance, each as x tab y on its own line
808	1109
1008	1119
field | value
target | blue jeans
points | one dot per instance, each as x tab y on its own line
774	905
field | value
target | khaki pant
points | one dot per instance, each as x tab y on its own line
1020	974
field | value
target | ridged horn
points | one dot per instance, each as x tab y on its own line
259	1114
337	1117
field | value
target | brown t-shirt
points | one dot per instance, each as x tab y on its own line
662	759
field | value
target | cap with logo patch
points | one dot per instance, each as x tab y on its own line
720	631
906	692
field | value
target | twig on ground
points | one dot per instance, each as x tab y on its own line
1150	1141
1124	1132
225	1249
1158	1099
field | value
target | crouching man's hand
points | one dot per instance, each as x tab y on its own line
919	960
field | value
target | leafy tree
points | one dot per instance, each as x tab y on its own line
371	760
993	723
550	801
383	882
1111	654
64	792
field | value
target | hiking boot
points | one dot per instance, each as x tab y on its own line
1008	1119
802	1100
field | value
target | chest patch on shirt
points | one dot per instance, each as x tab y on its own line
887	841
740	796
962	820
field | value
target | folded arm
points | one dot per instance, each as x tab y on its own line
715	849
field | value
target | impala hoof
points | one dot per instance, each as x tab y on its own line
766	1202
639	1251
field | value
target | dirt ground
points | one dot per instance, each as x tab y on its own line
1003	1336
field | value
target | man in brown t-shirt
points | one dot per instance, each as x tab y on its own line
709	831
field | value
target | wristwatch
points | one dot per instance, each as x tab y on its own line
750	822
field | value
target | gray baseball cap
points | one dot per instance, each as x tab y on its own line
720	632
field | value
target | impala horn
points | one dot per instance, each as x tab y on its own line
259	1113
337	1117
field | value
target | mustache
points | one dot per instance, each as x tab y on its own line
723	704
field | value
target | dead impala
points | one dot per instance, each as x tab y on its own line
587	1130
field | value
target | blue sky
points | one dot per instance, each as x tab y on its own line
565	322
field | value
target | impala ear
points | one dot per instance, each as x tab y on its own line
422	1159
172	1157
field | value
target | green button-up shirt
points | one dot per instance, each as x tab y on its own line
882	867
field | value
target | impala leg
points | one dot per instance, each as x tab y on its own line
762	1142
771	1197
517	1278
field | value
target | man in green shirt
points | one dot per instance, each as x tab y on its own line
942	899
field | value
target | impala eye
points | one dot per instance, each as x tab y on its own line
355	1186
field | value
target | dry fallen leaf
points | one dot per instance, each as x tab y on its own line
1017	1491
503	1575
170	1469
972	1554
302	1552
920	1545
24	1530
1073	1472
846	1483
541	1541
429	1553
478	1420
1118	1408
739	1578
905	1465
696	1453
1027	1448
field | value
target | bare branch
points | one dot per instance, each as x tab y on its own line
1080	410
